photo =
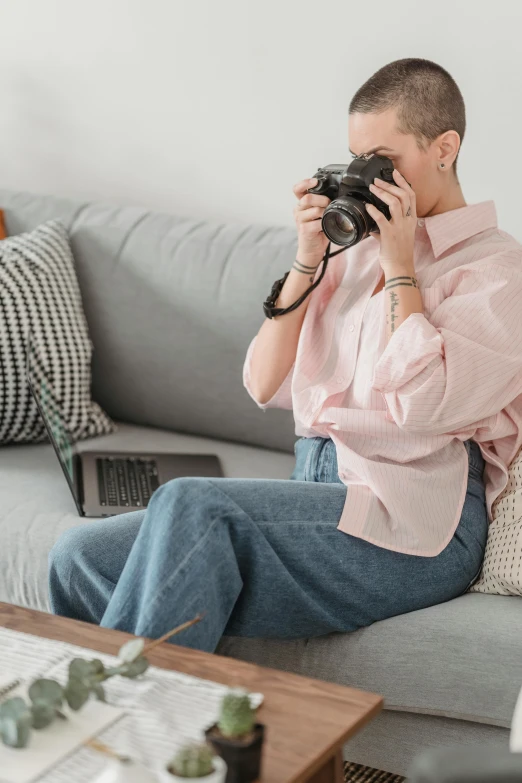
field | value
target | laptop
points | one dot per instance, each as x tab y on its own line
106	483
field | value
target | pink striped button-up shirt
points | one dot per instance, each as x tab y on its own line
398	412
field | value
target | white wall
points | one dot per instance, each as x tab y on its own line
218	108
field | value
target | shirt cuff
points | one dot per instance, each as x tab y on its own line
282	398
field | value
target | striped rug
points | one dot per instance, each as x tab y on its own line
356	773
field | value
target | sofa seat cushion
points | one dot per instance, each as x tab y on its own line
36	505
460	659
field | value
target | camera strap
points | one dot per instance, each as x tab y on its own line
269	304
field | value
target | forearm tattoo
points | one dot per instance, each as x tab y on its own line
304	269
394	299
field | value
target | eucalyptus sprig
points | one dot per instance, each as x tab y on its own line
47	697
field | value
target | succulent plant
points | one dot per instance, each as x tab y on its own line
237	716
192	761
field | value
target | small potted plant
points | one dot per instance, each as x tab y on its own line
196	761
237	737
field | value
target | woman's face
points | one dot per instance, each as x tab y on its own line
420	168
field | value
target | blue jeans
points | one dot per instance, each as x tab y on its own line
260	557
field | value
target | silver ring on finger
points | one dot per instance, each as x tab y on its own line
408	213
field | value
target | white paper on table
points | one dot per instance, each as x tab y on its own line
48	746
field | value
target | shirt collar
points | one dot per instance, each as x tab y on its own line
456	225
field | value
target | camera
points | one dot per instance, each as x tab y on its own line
345	220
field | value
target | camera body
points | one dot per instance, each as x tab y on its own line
345	220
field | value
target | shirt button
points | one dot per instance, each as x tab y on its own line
340	379
420	222
351	327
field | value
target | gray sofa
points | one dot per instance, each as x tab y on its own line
172	304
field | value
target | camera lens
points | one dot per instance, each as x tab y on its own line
344	221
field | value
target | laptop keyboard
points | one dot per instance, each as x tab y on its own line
126	482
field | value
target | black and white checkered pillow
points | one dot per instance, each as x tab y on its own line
39	292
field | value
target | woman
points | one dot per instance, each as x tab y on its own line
403	359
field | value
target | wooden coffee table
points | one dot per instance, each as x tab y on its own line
307	721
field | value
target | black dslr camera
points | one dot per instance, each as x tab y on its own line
345	220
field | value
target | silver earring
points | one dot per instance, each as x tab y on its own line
442	165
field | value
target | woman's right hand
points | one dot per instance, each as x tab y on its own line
308	213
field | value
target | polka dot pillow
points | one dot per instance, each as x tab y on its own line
502	568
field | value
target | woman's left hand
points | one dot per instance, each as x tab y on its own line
397	235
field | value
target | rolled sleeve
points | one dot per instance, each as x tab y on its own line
462	365
282	398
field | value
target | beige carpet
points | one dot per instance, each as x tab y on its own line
355	773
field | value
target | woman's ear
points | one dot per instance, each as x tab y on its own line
449	145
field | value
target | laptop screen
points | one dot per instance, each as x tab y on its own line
49	406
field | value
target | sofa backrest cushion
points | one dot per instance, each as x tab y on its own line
172	304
